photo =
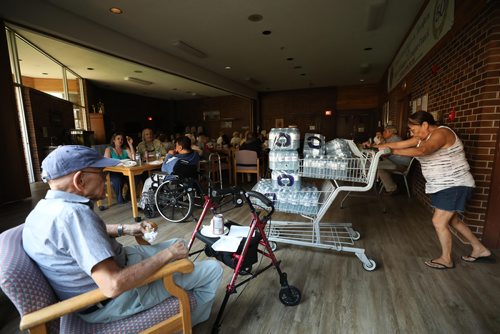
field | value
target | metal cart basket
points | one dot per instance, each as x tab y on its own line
359	172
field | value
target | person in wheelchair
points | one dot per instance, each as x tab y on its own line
182	152
181	162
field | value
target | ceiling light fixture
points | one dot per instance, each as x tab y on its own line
115	10
376	13
138	81
189	49
255	18
227	67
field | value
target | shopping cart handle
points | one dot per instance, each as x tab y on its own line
385	150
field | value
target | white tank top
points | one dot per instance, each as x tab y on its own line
446	168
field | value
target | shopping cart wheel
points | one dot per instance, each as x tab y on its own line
274	246
355	235
371	266
290	296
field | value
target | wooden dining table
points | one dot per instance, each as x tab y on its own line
131	172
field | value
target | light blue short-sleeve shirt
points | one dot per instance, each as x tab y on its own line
66	238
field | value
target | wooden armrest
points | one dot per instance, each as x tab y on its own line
93	297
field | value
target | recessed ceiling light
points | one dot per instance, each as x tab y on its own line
45	73
368	49
137	71
266	32
90	68
255	18
115	10
362	80
227	67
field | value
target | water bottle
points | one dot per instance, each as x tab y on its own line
138	158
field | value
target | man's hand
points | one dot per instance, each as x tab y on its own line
178	250
138	230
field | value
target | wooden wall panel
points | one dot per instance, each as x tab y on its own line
303	108
233	109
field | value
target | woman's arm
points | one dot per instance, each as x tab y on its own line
107	152
426	147
130	149
411	142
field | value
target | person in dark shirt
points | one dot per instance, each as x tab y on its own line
252	143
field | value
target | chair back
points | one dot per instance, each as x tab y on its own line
185	170
21	279
405	173
245	160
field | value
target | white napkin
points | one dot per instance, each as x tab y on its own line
150	236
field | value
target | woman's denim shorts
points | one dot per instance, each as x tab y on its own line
452	199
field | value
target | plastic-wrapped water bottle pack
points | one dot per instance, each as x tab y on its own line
304	201
284	160
314	144
325	167
284	139
338	148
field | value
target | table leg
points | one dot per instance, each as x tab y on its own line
133	198
108	189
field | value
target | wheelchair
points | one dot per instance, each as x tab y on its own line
173	196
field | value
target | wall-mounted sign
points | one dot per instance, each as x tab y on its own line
436	20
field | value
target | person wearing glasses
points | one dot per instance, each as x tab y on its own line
150	145
77	252
448	181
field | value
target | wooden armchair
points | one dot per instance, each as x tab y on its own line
41	311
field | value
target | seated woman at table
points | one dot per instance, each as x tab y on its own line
235	140
118	150
150	145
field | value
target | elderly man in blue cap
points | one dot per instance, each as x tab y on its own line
77	251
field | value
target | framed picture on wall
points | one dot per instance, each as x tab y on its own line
226	125
279	123
213	115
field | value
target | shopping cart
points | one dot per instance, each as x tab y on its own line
355	174
242	260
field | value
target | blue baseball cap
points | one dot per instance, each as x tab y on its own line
67	159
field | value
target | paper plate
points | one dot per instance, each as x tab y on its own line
155	162
128	163
208	232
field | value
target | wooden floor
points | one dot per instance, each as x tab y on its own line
338	296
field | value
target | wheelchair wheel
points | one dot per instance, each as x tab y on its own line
173	201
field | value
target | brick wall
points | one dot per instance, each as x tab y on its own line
468	81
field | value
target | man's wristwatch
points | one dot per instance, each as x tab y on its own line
119	230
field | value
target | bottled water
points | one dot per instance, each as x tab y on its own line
284	139
314	144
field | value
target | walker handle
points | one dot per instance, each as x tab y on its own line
260	197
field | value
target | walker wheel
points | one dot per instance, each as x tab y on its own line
371	266
290	296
